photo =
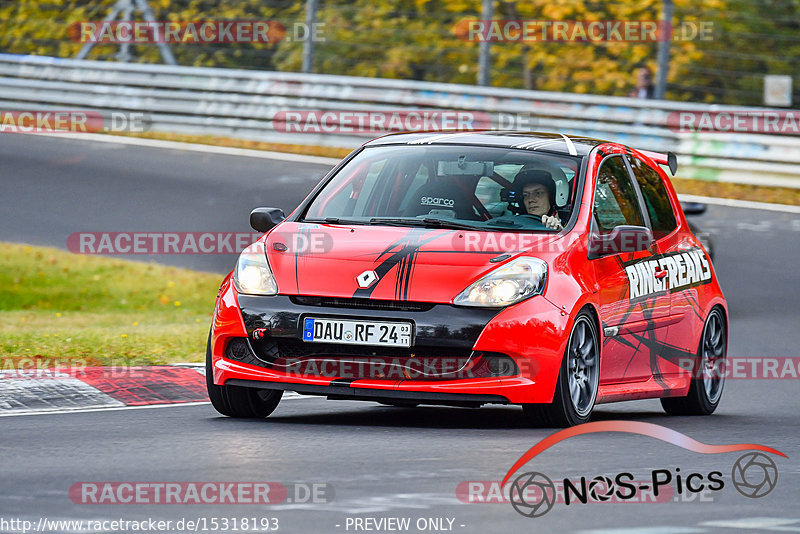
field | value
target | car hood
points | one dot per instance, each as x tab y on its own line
413	264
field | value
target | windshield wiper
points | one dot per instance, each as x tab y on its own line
509	224
334	220
426	222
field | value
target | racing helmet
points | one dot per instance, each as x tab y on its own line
529	177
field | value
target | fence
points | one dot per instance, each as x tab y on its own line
248	104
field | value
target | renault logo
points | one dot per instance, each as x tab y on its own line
366	279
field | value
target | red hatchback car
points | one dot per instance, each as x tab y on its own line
468	268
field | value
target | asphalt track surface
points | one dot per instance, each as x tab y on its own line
380	462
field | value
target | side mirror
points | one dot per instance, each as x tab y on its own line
265	219
693	208
625	238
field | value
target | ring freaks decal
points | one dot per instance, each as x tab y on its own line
670	272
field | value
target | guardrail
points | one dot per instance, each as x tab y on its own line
247	104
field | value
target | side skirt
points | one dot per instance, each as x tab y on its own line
676	386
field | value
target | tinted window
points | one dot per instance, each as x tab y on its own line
656	199
488	192
615	200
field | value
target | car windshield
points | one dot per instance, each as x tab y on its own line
450	187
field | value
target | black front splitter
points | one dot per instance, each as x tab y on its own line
347	392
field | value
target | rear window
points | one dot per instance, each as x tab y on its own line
615	202
662	216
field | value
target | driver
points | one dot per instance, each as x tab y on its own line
536	193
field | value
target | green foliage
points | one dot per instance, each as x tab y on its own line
41	27
417	39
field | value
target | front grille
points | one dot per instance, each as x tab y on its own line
297	358
363	304
296	348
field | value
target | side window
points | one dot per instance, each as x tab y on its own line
488	193
420	179
352	196
662	217
615	201
365	189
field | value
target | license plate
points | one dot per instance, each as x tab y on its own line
357	332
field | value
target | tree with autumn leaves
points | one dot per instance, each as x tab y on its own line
420	39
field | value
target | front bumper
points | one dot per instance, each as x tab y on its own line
441	331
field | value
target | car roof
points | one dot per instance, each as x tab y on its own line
547	142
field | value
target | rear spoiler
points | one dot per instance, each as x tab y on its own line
669	159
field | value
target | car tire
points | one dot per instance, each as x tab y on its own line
705	391
578	380
237	401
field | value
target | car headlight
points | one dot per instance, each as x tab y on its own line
252	274
506	285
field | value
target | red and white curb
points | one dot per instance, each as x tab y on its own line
61	390
25	392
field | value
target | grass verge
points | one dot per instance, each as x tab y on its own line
755	193
72	310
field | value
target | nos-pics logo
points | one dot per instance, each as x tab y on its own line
533	494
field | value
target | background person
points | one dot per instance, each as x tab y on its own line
644	84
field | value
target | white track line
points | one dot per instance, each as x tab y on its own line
731	203
193	147
299	158
114	409
287	396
